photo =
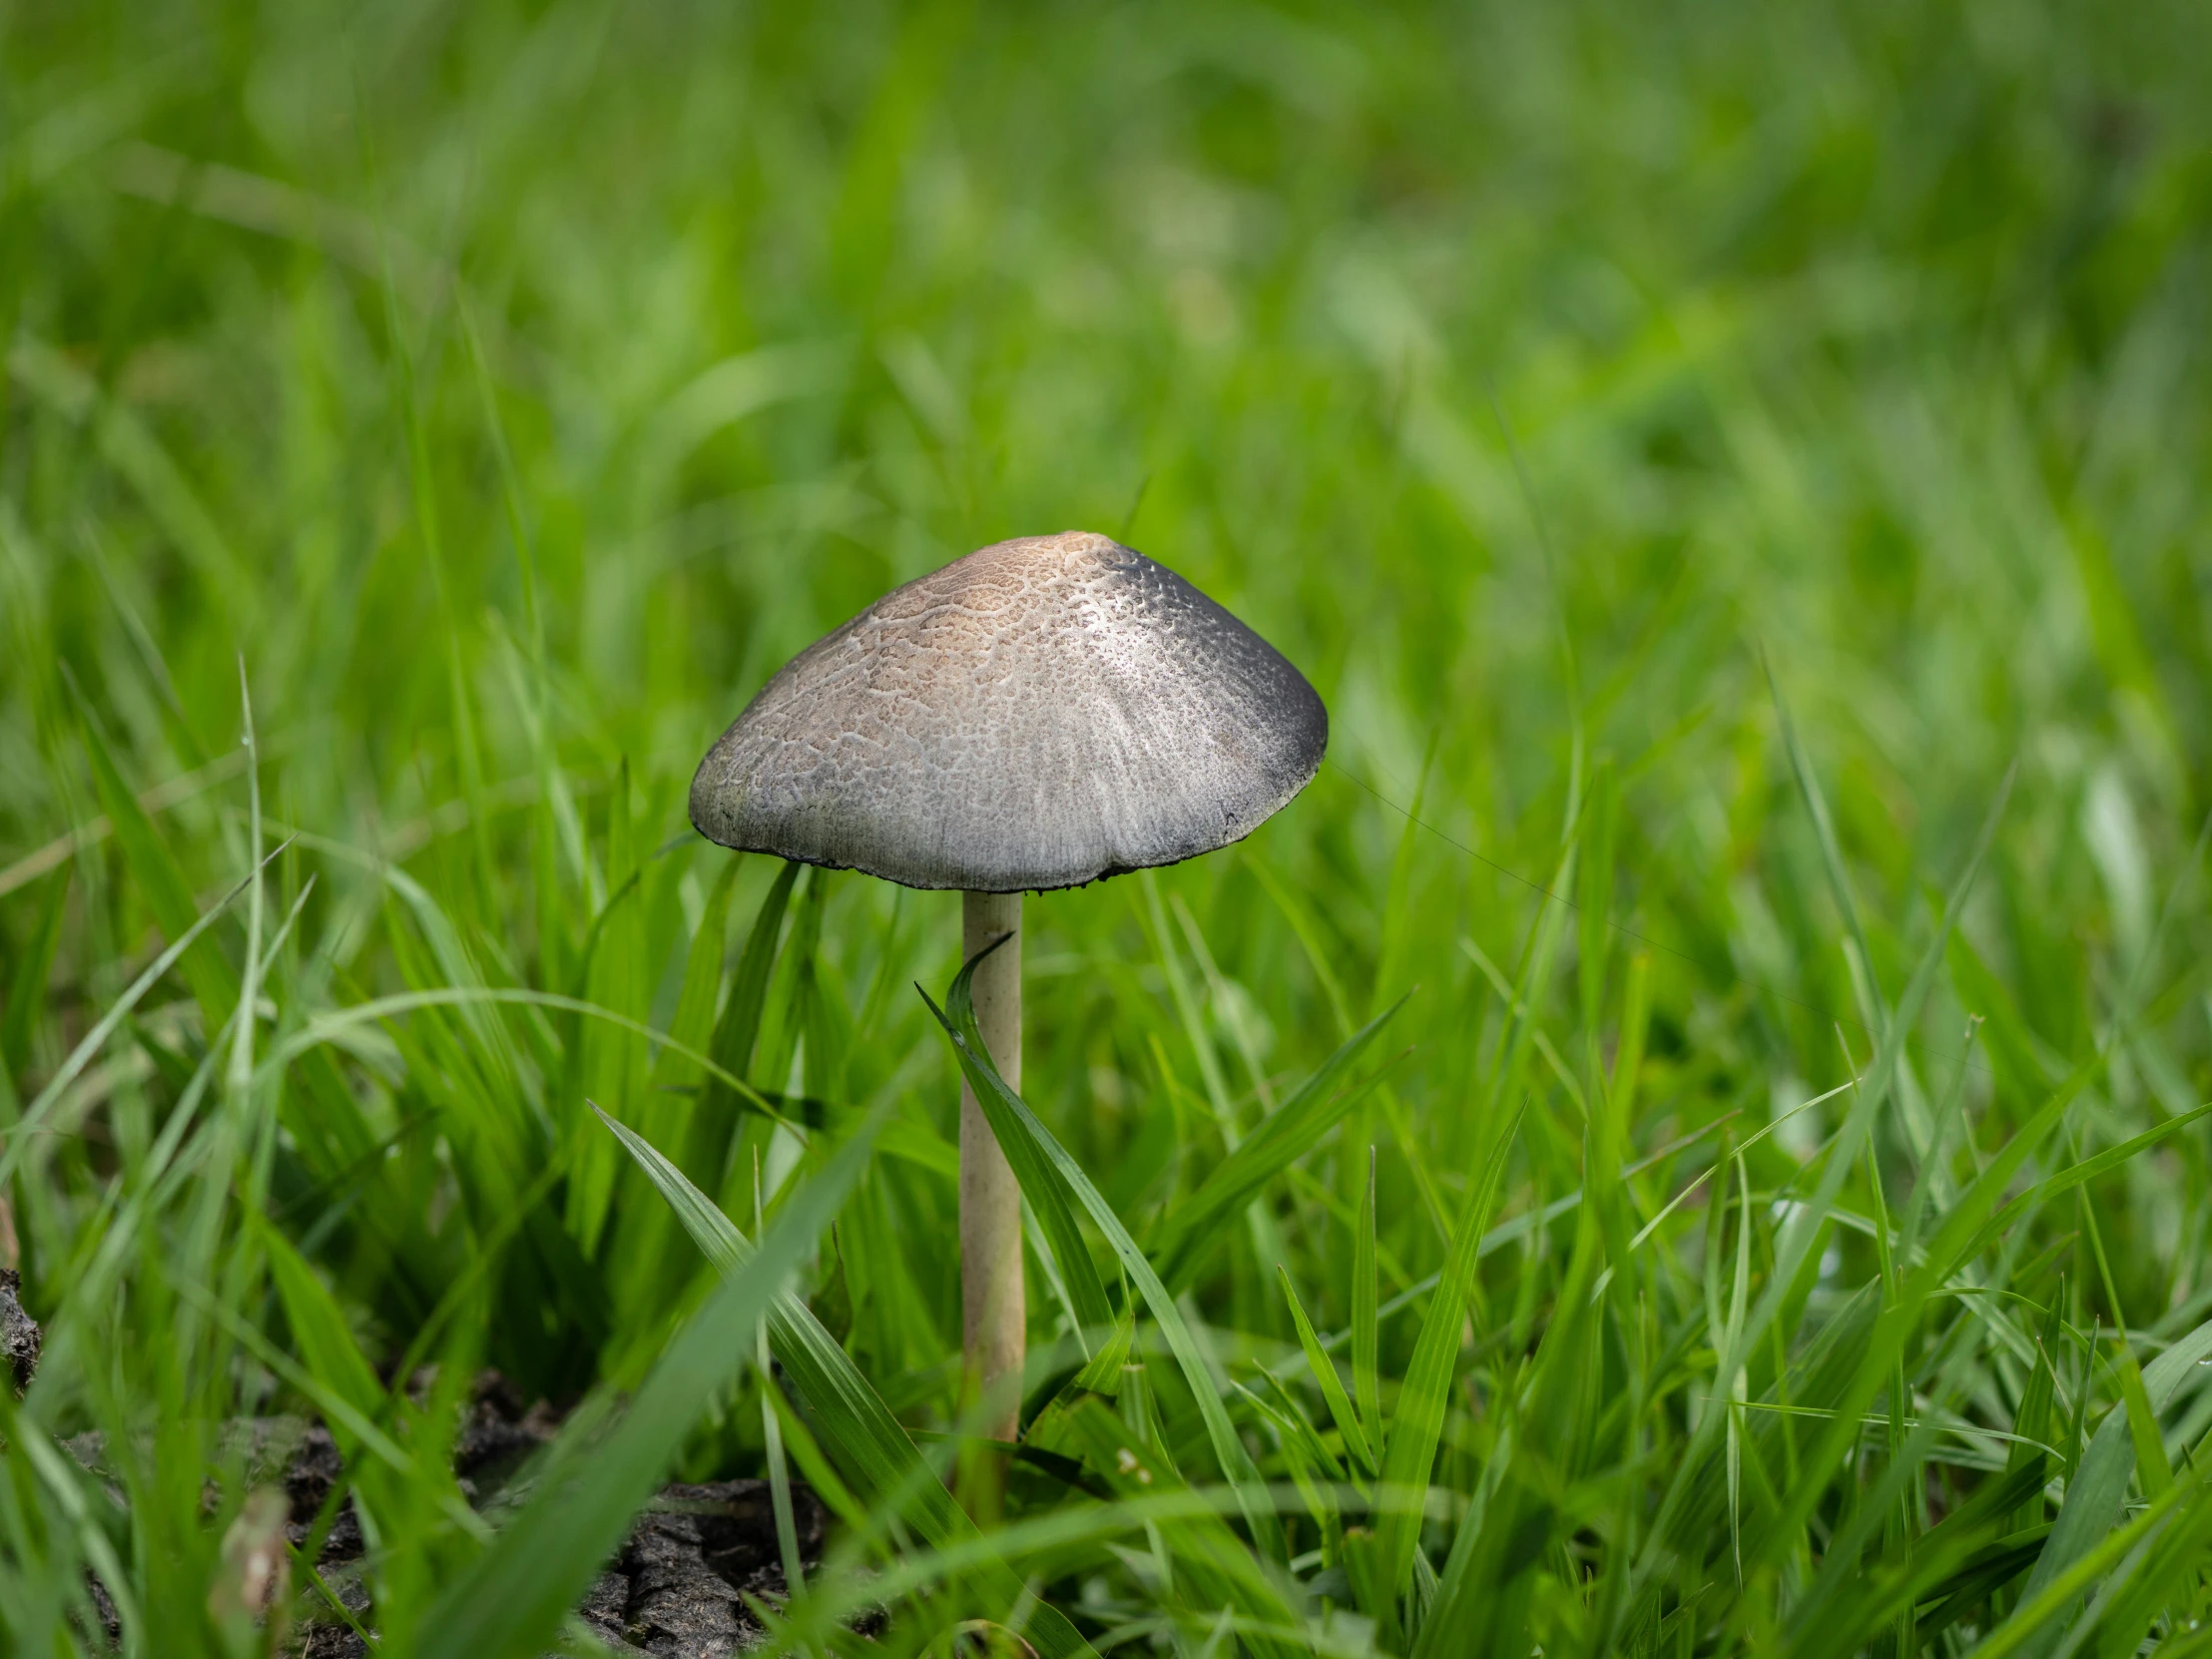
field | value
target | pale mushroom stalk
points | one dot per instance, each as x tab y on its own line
991	1301
1041	713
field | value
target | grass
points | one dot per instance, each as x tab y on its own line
1738	477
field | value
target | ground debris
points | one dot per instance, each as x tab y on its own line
606	1609
19	1333
695	1551
103	1609
321	1633
675	1589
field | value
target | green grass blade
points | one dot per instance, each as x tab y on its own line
1196	1224
1793	1248
2036	1421
1366	1382
645	1271
1332	1385
2089	1169
26	991
318	1331
2049	1595
80	1056
1824	830
1050	1193
1417	1424
2099	1485
869	1444
1028	1142
1307	932
509	1604
160	879
739	1028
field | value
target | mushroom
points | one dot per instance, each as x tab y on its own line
1043	713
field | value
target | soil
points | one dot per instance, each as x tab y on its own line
675	1589
19	1336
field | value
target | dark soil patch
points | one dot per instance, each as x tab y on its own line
19	1335
675	1589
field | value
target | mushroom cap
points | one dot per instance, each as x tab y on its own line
1040	713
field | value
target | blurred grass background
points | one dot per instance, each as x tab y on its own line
509	389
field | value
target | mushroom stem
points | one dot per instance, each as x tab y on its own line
992	1303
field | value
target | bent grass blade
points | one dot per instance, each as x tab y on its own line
869	1445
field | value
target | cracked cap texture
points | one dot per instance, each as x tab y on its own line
1040	713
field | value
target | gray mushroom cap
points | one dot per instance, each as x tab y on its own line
1040	713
